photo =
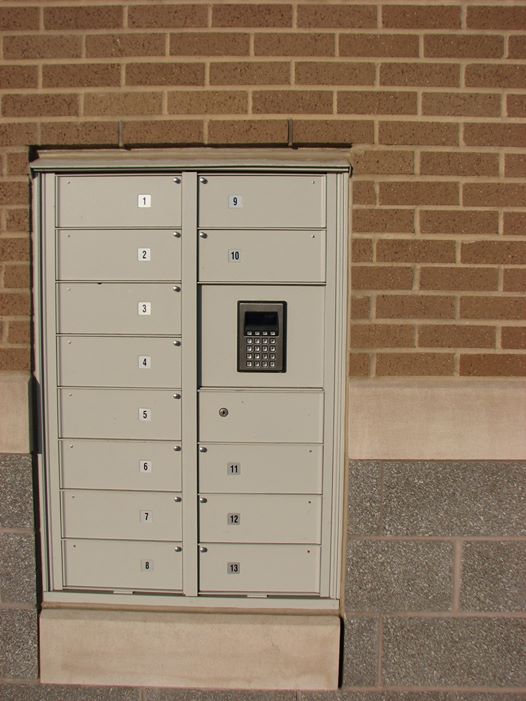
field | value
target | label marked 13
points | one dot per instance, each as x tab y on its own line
233	568
235	201
144	200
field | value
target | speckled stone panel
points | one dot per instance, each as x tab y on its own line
18	644
17	568
348	695
216	695
360	657
45	692
364	498
16	491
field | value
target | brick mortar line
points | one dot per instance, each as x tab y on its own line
457	571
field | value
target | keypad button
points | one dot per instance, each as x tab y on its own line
249	364
249	333
273	356
249	356
265	365
273	341
257	348
264	333
257	356
250	340
272	365
257	333
265	356
272	333
256	364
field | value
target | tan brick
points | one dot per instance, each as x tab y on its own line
210	44
495	134
415	306
377	102
425	75
495	75
413	364
514	224
452	336
419	193
26	46
334	132
19	18
292	102
382	336
173	16
499	17
493	194
384	221
493	365
207	102
377	45
363	192
255	73
170	74
517	47
339	16
362	250
515	165
253	131
252	15
334	73
419	133
461	104
15	303
493	308
463	46
360	307
15	359
515	280
383	163
86	75
455	163
80	134
16	76
414	251
516	105
14	249
119	45
18	134
430	16
51	104
459	278
122	103
17	164
17	220
496	252
381	277
514	337
359	364
13	192
89	17
294	44
18	332
459	222
16	276
177	132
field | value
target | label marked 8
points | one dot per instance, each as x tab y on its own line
146	565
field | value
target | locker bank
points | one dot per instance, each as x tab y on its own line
191	317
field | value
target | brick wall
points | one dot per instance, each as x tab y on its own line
431	96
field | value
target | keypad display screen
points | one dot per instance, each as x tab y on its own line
262	321
261	336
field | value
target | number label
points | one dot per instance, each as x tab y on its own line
144	255
145	414
235	201
145	467
233	519
146	565
146	517
233	568
144	308
145	362
144	200
234	255
233	468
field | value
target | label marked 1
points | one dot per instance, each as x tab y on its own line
144	200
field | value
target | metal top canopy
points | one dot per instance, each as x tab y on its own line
190	159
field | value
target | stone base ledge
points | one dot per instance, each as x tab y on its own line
193	650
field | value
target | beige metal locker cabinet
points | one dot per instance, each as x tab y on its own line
191	317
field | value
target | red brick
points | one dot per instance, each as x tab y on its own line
19	18
89	17
16	76
294	44
173	16
456	163
253	73
17	164
15	303
13	192
18	134
339	16
18	332
514	224
461	104
463	46
16	277
459	278
414	364
383	221
381	277
176	132
171	74
363	192
86	75
254	131
377	102
515	280
207	102
415	251
14	249
15	359
499	17
362	250
26	46
514	337
382	336
451	336
50	104
493	365
493	308
252	15
414	306
377	45
292	102
333	131
495	134
122	103
430	16
459	222
496	252
516	105
210	44
383	163
412	192
359	364
495	75
493	194
334	73
515	165
79	134
360	307
119	45
517	47
425	75
413	133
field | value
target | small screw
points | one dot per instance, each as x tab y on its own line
177	234
176	396
177	180
176	288
202	449
203	180
223	412
203	235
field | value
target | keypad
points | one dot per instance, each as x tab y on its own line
261	350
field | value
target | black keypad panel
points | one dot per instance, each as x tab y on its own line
261	336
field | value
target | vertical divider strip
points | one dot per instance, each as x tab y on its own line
189	381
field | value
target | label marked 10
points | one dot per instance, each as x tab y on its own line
234	255
144	200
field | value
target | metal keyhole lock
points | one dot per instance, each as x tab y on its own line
223	412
